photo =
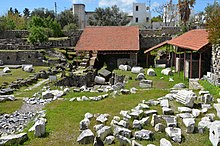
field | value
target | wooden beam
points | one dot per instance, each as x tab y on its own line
184	62
200	64
147	60
191	64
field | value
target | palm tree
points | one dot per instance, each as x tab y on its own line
184	10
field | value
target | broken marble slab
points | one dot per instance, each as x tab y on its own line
186	97
86	137
214	134
170	120
165	142
143	134
184	109
217	108
190	124
167	111
174	134
164	103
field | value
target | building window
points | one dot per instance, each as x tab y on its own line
136	20
136	8
29	56
8	58
147	19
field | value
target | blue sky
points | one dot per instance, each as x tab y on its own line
125	5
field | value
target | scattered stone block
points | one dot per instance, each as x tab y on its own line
167	72
137	70
164	103
151	72
184	109
190	124
171	121
124	67
159	127
6	70
186	97
174	134
143	135
123	140
155	120
179	86
137	124
86	137
84	124
123	123
195	112
217	108
140	77
88	116
40	128
99	80
150	112
109	140
214	134
98	127
146	84
14	139
122	131
165	142
104	132
102	118
167	111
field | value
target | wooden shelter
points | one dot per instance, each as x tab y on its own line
114	45
192	53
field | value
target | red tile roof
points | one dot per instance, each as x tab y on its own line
157	46
192	40
109	38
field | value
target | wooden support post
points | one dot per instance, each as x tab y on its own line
184	62
200	64
147	60
191	64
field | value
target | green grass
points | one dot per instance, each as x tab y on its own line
10	106
64	116
18	73
214	90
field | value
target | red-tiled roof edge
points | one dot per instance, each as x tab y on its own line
182	46
80	46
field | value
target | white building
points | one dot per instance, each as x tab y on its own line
141	13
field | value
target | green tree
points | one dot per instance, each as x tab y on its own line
71	26
37	35
26	13
110	16
157	19
3	23
66	17
184	10
56	29
213	19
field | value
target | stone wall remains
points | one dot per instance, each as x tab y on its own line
11	34
22	57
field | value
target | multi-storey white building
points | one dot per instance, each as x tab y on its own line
141	13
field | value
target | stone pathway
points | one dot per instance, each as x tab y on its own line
37	85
